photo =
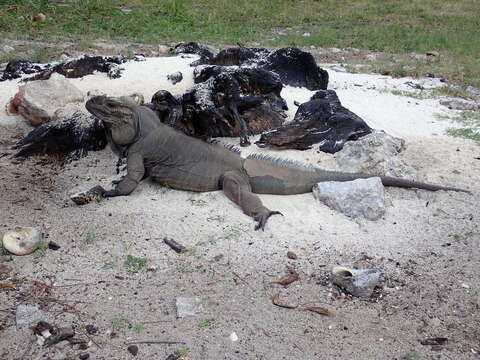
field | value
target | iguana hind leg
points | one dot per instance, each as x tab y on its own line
236	187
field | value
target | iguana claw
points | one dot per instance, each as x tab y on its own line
262	219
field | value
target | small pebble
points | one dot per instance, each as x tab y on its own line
133	349
233	337
53	245
292	255
39	17
91	329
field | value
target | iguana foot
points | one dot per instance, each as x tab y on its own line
96	193
110	193
262	219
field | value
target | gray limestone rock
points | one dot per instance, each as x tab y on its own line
460	104
27	315
188	306
357	198
376	153
42	98
358	282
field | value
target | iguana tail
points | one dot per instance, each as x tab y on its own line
272	176
386	181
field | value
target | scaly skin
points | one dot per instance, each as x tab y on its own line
186	163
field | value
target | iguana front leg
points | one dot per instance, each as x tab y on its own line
236	187
135	173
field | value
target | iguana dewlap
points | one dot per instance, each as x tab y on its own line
186	163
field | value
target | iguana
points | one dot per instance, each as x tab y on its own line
186	163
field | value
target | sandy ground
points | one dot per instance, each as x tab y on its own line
427	245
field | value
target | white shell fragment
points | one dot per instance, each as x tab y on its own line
22	240
356	282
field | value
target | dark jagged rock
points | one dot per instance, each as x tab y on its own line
322	120
251	80
72	138
223	98
293	66
175	77
17	68
193	48
170	110
225	101
239	56
296	68
85	65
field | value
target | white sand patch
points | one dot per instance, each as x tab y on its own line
144	77
370	97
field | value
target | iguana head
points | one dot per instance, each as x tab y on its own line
118	116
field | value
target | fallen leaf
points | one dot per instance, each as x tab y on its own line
319	310
7	286
277	301
288	279
44	288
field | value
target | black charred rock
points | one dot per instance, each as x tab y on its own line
85	65
322	120
293	66
193	48
239	56
226	101
252	81
17	68
175	77
71	138
169	109
296	68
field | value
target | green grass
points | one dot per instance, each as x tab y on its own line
89	238
413	94
109	264
206	322
469	122
393	26
120	322
134	264
447	90
3	251
138	327
184	351
41	250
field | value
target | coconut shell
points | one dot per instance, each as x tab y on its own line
22	240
